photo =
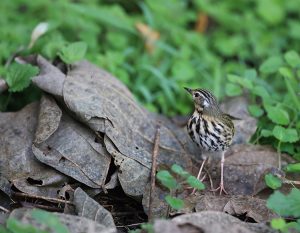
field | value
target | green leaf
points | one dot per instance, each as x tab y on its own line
285	135
195	183
272	181
271	65
271	11
19	76
179	170
286	72
255	110
278	223
293	167
50	220
16	226
285	205
266	133
277	115
148	227
292	58
247	83
73	52
233	89
167	179
174	202
261	91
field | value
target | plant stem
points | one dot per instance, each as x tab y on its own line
279	155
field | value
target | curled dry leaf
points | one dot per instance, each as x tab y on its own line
89	208
75	224
50	78
104	104
69	147
217	222
245	167
251	207
17	163
159	205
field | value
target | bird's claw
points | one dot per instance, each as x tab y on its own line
221	188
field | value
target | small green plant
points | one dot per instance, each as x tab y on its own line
19	76
285	206
272	181
276	105
73	52
175	183
47	219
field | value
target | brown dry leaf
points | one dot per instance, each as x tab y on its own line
245	167
50	79
5	193
252	207
167	226
159	205
106	105
17	163
150	36
69	147
89	208
202	22
75	224
217	222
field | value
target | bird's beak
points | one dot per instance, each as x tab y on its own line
189	90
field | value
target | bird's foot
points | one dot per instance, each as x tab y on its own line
221	188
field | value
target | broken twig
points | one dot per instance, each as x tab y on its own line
51	199
153	170
4	209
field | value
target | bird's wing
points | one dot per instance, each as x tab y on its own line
233	117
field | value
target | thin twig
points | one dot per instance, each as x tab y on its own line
4	209
51	199
33	205
286	181
153	170
131	225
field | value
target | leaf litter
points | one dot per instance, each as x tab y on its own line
89	129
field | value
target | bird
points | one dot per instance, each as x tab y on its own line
210	128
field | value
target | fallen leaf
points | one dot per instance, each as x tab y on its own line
251	207
218	222
69	147
89	208
245	167
105	105
75	224
17	163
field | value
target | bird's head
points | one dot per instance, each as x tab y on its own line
204	100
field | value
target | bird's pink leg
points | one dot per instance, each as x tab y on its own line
221	187
199	173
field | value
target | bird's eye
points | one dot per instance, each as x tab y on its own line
196	95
